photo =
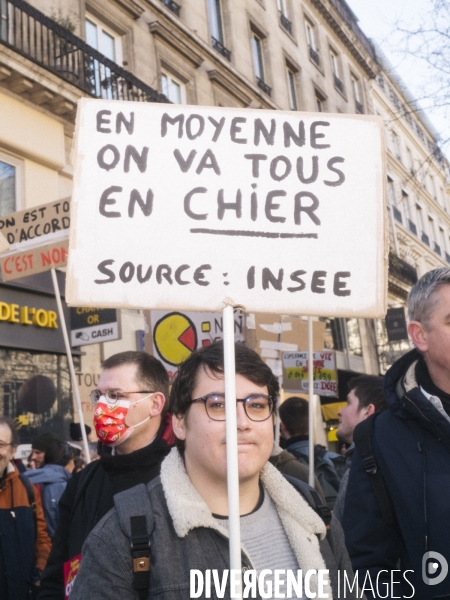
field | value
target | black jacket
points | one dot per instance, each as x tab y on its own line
87	498
411	445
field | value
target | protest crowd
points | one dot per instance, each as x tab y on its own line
151	508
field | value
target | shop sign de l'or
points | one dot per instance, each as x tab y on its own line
30	321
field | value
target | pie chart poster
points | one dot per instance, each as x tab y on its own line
177	334
181	207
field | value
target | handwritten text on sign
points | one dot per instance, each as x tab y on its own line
34	260
295	373
182	206
37	226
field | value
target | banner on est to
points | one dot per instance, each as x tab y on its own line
182	207
295	373
34	260
4	246
37	225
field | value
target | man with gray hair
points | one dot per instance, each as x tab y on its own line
397	511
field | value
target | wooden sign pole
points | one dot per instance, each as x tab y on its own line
311	400
231	438
71	367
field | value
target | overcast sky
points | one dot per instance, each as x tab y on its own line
378	18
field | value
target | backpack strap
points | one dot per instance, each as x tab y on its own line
362	437
31	499
136	520
312	498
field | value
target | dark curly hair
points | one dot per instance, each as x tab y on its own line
248	364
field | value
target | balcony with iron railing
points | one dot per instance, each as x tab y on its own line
220	48
31	34
172	6
285	23
401	270
263	86
338	83
314	56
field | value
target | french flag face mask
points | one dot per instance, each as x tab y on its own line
109	420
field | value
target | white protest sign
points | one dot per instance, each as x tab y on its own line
180	207
296	376
36	226
4	246
177	334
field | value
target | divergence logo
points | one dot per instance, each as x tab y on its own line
434	568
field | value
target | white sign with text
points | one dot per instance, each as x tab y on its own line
180	207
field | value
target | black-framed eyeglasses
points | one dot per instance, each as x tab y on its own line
4	445
113	395
257	407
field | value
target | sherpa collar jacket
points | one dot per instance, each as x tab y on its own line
87	498
411	444
186	536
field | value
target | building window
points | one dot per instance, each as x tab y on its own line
442	199
356	87
410	161
215	20
282	7
258	63
257	55
320	102
173	89
396	144
7	188
312	42
343	335
10	184
104	40
291	76
392	201
354	337
391	191
443	239
216	28
407	211
284	15
336	71
433	187
110	45
434	238
420	221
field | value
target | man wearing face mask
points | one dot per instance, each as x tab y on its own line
131	425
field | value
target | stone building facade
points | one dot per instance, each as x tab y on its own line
307	55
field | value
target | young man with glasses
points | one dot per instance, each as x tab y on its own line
187	506
130	421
